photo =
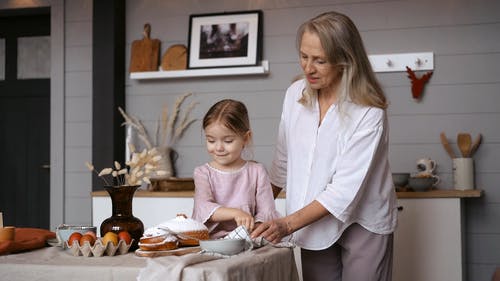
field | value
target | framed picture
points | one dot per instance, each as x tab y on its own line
225	40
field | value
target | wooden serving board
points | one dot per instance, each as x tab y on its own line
145	52
175	252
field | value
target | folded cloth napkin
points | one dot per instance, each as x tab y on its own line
26	239
241	232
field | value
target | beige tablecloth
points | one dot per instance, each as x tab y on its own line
266	263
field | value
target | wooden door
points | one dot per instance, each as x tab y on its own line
24	125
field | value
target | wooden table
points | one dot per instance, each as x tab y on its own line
53	263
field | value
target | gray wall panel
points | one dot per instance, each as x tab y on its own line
78	84
77	59
78	134
78	33
79	109
463	94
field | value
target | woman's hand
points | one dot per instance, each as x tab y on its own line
272	231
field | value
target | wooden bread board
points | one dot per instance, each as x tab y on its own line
175	58
145	52
176	252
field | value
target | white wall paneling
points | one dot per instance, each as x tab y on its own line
462	94
463	50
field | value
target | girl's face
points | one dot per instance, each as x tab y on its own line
225	146
320	73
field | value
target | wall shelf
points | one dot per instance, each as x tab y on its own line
380	63
205	72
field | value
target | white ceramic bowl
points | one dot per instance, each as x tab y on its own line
64	231
223	246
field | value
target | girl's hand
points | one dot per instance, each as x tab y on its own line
244	218
272	231
239	216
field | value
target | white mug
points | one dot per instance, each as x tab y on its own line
427	165
463	173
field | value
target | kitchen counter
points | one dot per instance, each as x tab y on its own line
438	193
154	207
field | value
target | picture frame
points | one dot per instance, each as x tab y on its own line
227	39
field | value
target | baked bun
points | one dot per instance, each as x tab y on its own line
187	226
158	243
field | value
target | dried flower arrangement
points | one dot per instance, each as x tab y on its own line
169	130
141	167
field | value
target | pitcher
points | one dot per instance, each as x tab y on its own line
426	166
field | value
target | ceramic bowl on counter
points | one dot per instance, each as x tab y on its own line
422	183
223	246
64	231
400	179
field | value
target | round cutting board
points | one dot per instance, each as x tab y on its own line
175	58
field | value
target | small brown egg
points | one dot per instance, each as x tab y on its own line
87	237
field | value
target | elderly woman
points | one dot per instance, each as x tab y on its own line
332	158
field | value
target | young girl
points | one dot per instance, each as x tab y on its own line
230	191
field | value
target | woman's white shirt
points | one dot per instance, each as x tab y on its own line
342	163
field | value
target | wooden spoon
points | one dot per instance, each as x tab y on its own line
447	146
464	142
475	145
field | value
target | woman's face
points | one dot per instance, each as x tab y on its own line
320	73
224	146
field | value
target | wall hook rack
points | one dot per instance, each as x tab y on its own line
399	62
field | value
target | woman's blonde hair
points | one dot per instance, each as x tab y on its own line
344	48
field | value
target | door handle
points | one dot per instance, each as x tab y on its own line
45	166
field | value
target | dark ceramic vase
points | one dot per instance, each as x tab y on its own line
122	217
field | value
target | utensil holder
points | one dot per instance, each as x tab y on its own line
463	173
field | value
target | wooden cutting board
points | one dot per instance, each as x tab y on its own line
175	252
145	52
175	58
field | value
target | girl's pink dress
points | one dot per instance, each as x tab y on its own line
248	189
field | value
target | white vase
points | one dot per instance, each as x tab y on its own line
167	161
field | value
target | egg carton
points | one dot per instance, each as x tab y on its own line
98	249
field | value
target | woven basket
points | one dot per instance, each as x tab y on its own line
171	184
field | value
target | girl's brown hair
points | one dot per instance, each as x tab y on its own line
231	113
344	48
